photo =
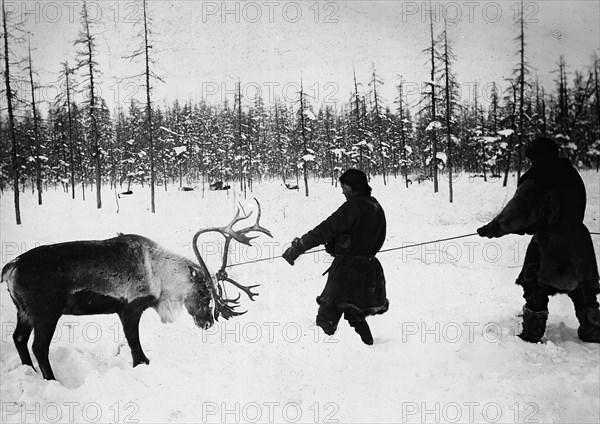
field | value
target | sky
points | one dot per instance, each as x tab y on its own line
200	49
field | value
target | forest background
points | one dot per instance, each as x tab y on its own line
183	94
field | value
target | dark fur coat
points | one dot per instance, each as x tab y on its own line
353	235
550	204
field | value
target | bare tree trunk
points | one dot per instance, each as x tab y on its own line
304	141
82	172
597	95
71	142
402	133
378	123
36	132
278	138
358	126
240	139
433	111
88	44
249	151
509	147
448	115
521	92
149	112
11	119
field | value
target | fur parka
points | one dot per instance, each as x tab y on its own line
550	204
353	235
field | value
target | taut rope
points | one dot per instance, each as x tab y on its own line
391	249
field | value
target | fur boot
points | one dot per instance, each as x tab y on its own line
589	325
534	325
363	330
328	327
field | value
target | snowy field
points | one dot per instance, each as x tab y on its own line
445	352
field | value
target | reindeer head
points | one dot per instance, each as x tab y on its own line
198	299
222	305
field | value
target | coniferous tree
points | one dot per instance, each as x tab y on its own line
404	129
149	130
594	111
521	73
64	101
86	61
511	106
450	95
562	116
358	128
241	141
37	142
432	126
578	128
307	156
378	123
11	117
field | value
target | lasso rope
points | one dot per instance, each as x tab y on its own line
381	251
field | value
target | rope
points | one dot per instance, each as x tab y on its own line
381	251
427	242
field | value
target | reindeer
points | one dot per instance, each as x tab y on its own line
125	193
125	275
417	177
218	185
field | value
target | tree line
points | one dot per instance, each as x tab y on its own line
83	145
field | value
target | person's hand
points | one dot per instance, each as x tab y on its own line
294	251
330	247
490	230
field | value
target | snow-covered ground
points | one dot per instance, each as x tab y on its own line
445	352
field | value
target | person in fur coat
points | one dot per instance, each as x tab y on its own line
550	204
353	234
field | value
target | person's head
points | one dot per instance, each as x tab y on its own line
542	149
354	183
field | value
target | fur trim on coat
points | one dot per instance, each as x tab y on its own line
354	234
550	204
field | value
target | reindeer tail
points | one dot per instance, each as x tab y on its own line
9	272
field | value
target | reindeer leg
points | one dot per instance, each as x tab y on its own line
44	330
130	318
21	338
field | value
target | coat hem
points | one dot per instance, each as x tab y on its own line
350	307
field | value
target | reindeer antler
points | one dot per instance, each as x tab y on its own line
225	306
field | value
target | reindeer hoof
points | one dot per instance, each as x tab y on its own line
144	361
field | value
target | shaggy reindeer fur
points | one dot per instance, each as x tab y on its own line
124	275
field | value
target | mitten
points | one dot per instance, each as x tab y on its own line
294	251
490	230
